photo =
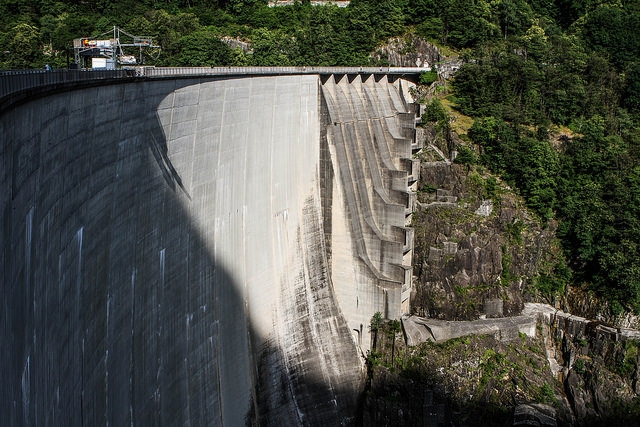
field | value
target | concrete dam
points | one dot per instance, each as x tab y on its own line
202	250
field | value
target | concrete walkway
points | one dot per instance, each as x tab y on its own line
420	329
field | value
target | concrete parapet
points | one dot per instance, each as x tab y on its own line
420	329
439	204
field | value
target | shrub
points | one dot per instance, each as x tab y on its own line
545	394
465	156
428	77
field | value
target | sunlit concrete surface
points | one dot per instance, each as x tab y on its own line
369	135
172	253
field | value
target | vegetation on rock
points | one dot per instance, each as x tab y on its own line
480	380
474	380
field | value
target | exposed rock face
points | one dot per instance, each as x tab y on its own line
415	52
597	365
587	304
476	247
235	43
534	415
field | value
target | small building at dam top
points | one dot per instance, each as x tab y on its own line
202	246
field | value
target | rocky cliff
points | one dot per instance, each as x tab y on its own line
566	371
416	52
597	366
478	253
477	248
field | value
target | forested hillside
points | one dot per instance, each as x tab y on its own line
553	87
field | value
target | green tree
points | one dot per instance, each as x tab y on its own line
631	94
465	156
419	10
376	324
202	48
467	24
273	48
533	167
428	77
168	29
431	28
514	16
524	161
394	327
494	137
23	48
599	211
564	88
71	26
377	21
434	112
613	31
323	39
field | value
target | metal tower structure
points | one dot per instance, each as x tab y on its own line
121	48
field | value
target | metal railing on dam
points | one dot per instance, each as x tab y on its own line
16	81
216	71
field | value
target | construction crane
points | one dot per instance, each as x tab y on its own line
107	53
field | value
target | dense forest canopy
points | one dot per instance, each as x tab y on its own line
553	87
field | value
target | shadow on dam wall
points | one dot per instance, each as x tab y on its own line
121	304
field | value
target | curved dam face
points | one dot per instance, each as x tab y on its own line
173	252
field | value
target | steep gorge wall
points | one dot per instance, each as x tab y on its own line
164	258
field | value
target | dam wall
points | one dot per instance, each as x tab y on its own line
165	256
